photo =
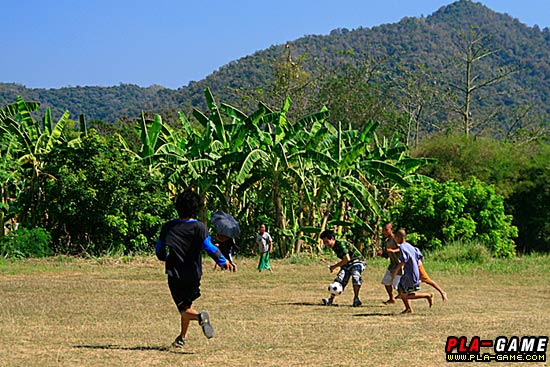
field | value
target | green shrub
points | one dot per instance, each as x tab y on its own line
102	201
463	251
517	171
24	242
438	213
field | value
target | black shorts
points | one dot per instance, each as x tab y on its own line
409	290
183	293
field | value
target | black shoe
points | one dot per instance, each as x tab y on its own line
204	321
356	302
327	301
179	342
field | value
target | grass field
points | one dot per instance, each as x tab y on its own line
74	312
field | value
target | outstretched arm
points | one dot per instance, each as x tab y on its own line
214	252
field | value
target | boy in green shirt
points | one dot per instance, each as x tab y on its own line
350	265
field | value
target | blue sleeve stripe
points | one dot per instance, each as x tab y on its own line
213	251
160	250
209	246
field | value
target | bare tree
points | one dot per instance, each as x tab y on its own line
472	80
418	98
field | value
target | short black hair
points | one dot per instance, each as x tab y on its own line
401	233
328	234
188	204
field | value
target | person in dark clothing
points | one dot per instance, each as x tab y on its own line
351	265
180	245
228	247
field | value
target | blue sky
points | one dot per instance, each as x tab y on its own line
52	44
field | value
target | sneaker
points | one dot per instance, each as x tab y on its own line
327	301
204	321
179	342
356	302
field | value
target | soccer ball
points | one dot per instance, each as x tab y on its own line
335	288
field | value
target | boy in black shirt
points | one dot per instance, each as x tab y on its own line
350	264
185	238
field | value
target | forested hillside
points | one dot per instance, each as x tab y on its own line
427	47
439	123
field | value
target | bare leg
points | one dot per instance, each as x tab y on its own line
356	301
426	279
356	289
438	288
428	296
406	302
391	297
186	316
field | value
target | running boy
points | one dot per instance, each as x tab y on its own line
185	238
409	284
424	277
350	265
386	251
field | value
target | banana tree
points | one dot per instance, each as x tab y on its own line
352	174
303	173
339	179
10	178
190	155
276	164
35	139
10	170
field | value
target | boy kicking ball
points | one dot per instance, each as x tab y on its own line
185	239
409	284
350	264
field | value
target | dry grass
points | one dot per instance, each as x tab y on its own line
71	312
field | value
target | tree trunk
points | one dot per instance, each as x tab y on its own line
280	221
342	216
467	98
299	242
323	227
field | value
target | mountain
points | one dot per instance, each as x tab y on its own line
427	41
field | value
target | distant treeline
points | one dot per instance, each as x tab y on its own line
429	47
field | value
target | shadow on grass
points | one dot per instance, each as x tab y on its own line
319	304
138	347
375	314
